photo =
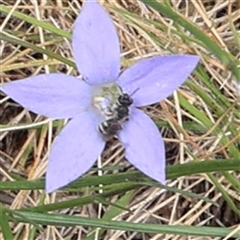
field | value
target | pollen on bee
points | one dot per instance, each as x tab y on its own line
101	103
97	101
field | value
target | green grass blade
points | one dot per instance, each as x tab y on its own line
121	188
14	40
224	194
4	223
112	212
173	172
72	221
36	22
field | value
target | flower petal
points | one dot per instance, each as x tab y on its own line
156	78
74	151
51	95
143	144
95	45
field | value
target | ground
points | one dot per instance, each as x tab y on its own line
199	122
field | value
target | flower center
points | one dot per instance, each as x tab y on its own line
105	97
113	106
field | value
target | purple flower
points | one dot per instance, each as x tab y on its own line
97	55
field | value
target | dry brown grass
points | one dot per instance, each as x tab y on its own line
152	205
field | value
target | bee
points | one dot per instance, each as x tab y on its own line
114	123
109	128
116	116
122	106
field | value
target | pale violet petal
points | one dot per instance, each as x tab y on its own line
74	151
96	45
144	146
154	79
53	95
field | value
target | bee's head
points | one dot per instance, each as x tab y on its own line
125	100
